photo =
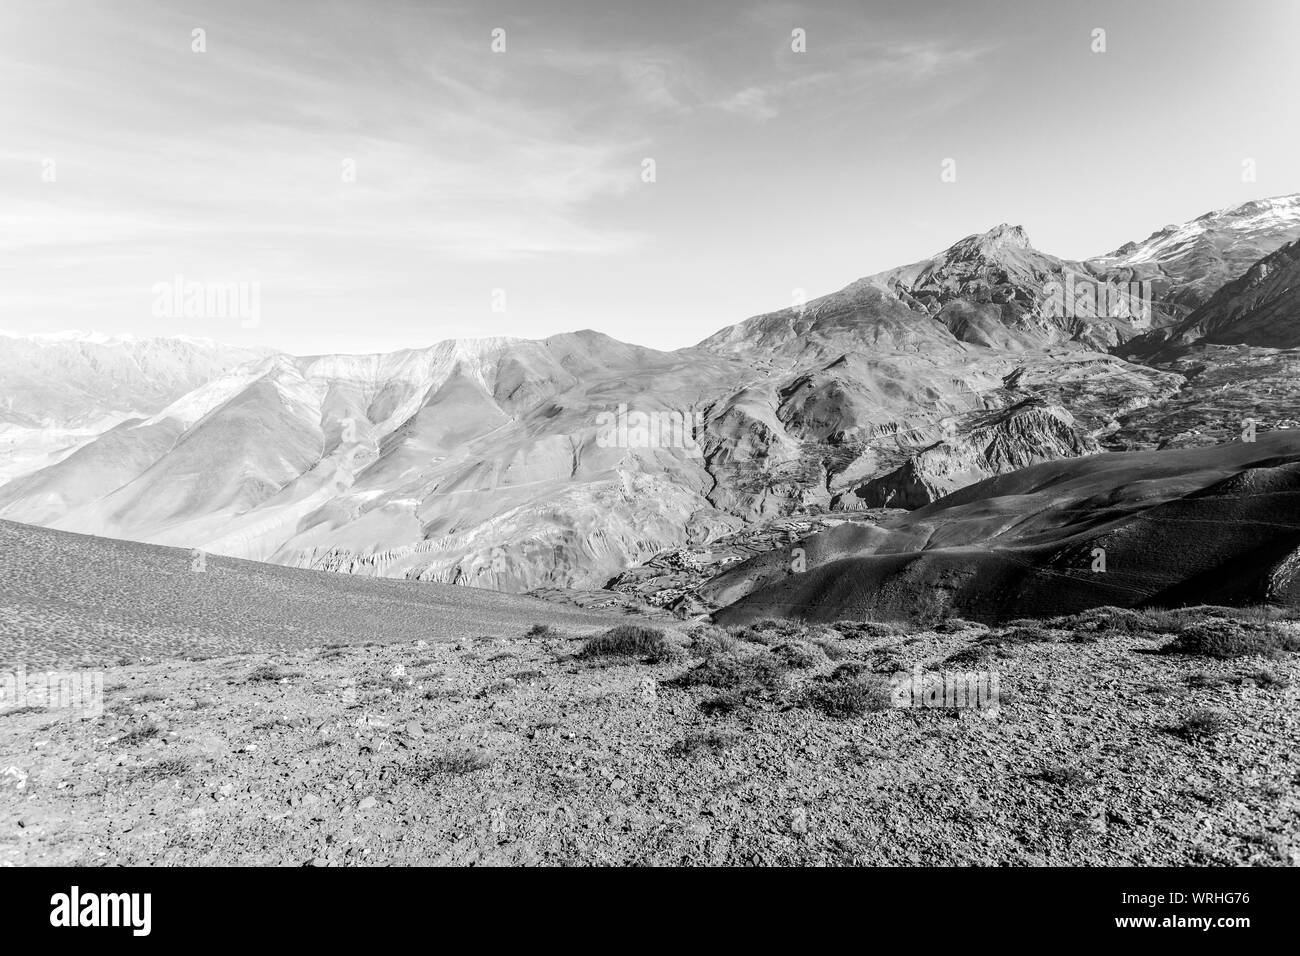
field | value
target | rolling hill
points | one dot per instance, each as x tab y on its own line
71	599
1208	525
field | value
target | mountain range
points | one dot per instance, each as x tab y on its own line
1188	263
59	391
486	462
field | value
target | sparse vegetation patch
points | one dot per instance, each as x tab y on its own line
727	702
798	655
453	763
269	673
708	741
163	769
629	640
749	673
1202	723
1225	639
848	698
139	735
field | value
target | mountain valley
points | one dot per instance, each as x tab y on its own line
483	463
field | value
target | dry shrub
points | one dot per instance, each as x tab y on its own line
748	673
629	640
1224	639
843	699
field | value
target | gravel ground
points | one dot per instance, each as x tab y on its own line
513	750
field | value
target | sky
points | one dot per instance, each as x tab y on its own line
368	176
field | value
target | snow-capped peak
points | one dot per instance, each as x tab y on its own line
1256	216
118	338
68	335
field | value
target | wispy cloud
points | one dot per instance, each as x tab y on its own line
230	163
850	75
750	102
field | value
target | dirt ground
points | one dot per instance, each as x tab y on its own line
489	750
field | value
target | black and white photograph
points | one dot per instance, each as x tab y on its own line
806	434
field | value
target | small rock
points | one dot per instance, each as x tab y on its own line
14	777
210	744
799	820
367	803
414	728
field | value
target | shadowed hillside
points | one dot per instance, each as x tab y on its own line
1178	527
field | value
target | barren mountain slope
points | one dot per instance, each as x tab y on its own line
1229	389
862	381
1215	524
477	462
70	600
1238	356
1008	439
997	290
1260	308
